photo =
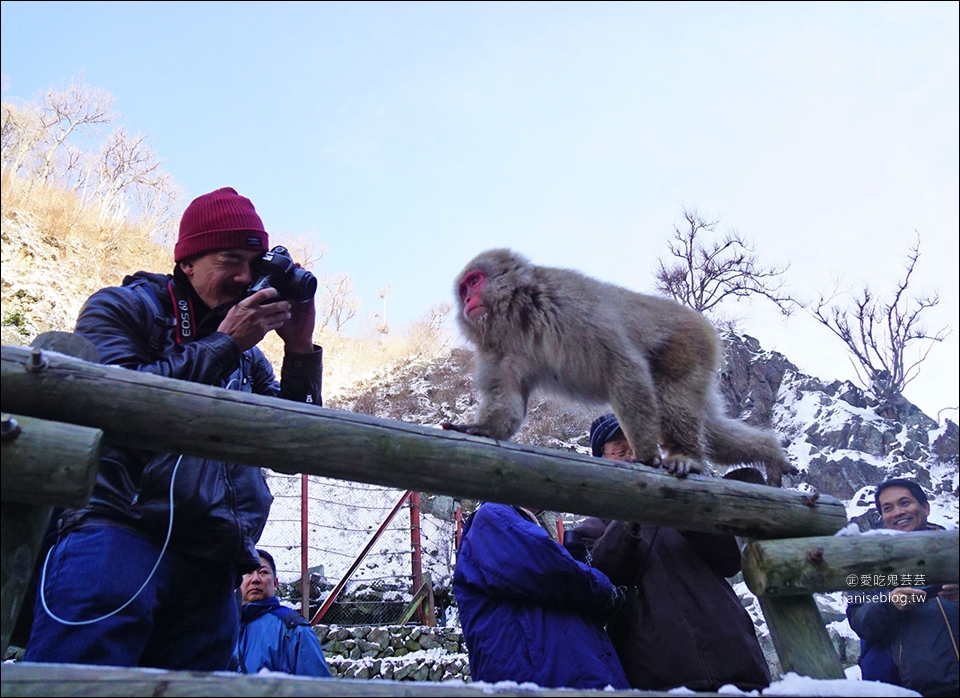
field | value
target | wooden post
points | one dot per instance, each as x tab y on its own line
21	536
843	563
38	471
164	414
800	637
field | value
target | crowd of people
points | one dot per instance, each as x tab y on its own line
161	568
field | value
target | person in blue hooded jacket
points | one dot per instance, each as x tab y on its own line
272	636
530	612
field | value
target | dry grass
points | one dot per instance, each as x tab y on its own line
56	252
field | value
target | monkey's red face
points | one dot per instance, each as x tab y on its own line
471	288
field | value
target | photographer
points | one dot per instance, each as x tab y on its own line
144	575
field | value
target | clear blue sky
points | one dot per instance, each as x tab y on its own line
409	136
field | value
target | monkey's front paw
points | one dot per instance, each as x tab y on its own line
681	467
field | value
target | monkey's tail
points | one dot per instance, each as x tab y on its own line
732	442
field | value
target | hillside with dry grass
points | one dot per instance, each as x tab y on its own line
56	251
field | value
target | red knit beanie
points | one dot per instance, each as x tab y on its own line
220	220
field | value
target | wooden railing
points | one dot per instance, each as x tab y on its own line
70	406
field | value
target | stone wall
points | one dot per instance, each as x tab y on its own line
399	653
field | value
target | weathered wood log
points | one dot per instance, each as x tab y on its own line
169	415
73	680
800	637
49	463
841	563
21	534
23	525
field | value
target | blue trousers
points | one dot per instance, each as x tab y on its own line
185	618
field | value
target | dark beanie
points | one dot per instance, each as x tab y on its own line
603	427
220	220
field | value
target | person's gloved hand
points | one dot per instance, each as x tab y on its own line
575	546
617	597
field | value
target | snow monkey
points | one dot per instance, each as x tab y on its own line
652	359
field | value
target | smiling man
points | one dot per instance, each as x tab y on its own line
908	633
903	506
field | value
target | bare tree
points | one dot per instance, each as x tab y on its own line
22	133
338	303
76	108
117	176
426	334
709	271
878	333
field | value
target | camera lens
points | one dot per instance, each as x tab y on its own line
304	285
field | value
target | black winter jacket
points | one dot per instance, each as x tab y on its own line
220	509
681	624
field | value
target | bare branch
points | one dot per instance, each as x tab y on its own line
710	272
879	334
337	304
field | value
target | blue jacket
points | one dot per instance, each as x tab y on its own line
529	611
220	508
278	638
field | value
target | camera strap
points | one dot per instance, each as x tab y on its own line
183	310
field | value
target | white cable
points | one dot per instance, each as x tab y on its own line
43	575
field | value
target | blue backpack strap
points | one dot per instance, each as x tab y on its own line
157	323
289	617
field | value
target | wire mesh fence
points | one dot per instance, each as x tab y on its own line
319	527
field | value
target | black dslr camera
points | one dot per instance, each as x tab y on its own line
276	268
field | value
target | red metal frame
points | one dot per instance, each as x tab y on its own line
356	563
304	548
416	559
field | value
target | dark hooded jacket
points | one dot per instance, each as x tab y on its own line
919	643
681	624
219	508
529	611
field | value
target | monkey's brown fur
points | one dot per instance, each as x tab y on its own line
652	359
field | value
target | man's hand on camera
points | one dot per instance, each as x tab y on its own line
249	320
950	592
297	332
905	598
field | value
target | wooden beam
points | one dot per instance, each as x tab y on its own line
164	414
841	563
49	463
55	680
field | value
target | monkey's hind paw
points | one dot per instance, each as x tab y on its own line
471	429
